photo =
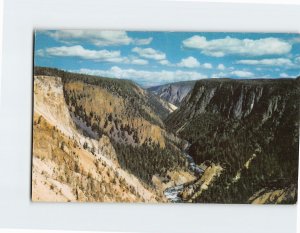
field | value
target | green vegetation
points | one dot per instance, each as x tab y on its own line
125	89
218	134
248	127
127	115
144	161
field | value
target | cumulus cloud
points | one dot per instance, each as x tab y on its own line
137	61
230	46
189	62
219	75
164	62
242	74
97	37
145	77
88	54
221	67
268	62
207	66
284	75
234	73
143	41
79	51
149	53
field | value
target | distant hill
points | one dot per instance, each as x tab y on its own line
173	92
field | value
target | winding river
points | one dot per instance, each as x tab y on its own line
172	193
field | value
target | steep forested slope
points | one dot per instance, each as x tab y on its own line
128	116
248	127
66	165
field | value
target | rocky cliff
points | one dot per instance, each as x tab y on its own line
174	92
248	127
111	120
69	166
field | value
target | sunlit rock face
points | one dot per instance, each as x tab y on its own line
174	93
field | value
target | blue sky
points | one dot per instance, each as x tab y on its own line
154	58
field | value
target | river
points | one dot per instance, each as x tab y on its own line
173	193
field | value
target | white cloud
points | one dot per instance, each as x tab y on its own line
143	41
221	67
284	75
234	73
189	62
88	54
207	66
229	46
242	74
149	53
267	62
164	62
97	37
79	51
145	77
138	61
297	60
219	75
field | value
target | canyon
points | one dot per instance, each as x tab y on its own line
98	139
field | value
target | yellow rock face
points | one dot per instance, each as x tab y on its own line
63	169
64	172
277	196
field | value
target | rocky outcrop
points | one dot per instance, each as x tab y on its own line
174	93
236	99
277	196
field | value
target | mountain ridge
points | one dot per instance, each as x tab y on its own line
173	92
229	121
241	135
129	117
